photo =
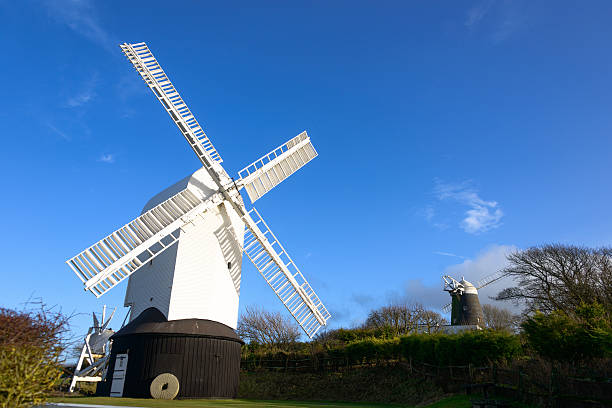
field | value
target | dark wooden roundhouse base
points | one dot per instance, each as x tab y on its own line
204	356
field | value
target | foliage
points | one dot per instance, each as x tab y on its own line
343	336
561	337
31	344
560	278
266	328
474	347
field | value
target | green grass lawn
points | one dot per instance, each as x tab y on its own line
459	401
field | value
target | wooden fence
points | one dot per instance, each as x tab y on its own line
542	388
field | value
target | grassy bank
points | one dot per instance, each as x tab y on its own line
451	402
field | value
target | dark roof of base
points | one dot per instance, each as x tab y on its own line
152	321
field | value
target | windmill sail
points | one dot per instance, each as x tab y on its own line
490	279
271	169
282	274
154	76
112	259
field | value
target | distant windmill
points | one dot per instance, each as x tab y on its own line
95	351
187	247
465	306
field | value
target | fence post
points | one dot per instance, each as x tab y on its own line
553	388
470	373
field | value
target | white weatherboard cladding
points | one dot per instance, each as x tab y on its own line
199	276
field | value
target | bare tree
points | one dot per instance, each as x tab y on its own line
404	318
257	325
560	277
498	318
431	321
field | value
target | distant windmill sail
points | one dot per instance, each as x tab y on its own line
494	277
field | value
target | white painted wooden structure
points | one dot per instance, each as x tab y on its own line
119	372
95	352
187	244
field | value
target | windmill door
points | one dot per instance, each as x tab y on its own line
121	361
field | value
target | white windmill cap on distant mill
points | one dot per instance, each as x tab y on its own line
183	254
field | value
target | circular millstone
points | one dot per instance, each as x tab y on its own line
165	386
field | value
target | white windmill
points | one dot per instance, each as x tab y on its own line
188	242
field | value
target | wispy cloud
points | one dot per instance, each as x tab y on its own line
449	254
107	158
477	13
481	216
512	21
128	87
81	17
362	299
58	132
429	212
85	95
497	19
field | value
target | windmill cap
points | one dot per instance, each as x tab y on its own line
468	287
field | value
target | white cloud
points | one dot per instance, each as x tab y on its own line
511	21
81	17
86	94
58	132
448	254
107	158
80	99
481	216
477	13
498	20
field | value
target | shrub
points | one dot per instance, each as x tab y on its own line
477	347
560	337
31	344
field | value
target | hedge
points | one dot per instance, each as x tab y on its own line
477	347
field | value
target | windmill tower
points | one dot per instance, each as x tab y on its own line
465	306
183	258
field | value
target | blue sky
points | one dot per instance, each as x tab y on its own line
447	135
